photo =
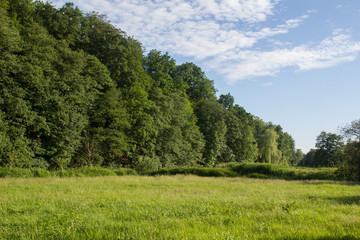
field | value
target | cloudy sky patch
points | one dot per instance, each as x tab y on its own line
225	35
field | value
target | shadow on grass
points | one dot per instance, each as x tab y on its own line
346	200
322	238
320	182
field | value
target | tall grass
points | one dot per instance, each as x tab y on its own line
266	170
253	170
177	207
76	172
199	171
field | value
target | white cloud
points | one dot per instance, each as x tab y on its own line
223	34
247	64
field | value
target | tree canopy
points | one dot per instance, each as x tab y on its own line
75	90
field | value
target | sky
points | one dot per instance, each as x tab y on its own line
293	63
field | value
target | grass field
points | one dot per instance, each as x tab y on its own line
177	207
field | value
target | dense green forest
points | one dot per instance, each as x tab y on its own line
77	91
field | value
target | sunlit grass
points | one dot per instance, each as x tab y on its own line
177	207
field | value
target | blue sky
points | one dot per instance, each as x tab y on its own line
294	63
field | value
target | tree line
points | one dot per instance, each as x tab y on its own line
337	150
77	91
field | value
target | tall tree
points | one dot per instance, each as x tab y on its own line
329	150
351	165
179	140
160	68
286	145
239	135
192	78
297	157
268	147
226	100
211	122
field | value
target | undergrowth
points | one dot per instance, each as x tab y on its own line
252	170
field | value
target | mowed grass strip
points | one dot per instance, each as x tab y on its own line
177	207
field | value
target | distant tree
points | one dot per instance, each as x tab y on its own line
286	145
351	164
352	131
309	159
268	147
297	157
329	150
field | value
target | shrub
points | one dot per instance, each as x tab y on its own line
286	172
199	171
93	172
258	175
38	172
264	168
147	164
15	172
125	171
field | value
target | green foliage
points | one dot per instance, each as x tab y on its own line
179	140
350	167
15	172
286	146
286	172
211	122
199	171
38	172
93	172
239	136
297	157
258	175
160	67
6	172
76	91
308	160
268	147
198	86
329	150
144	164
227	101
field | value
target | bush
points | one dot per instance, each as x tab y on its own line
124	171
78	172
204	172
147	164
263	168
38	172
15	172
93	172
286	172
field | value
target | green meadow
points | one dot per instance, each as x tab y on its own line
177	207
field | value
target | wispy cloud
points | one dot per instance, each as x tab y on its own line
248	64
223	34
